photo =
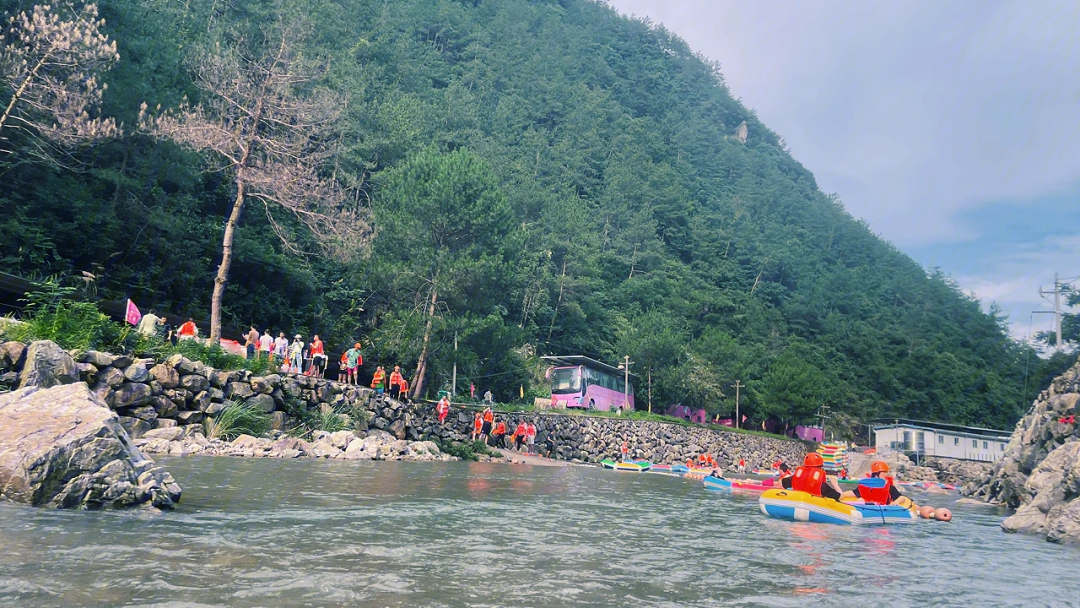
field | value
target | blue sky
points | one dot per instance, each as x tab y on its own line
953	128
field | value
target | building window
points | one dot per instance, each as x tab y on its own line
1002	446
986	445
974	443
941	439
956	441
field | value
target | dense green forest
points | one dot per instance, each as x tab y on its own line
542	177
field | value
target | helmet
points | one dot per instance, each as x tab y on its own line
298	336
879	467
813	459
357	345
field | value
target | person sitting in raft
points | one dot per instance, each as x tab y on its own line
878	488
811	478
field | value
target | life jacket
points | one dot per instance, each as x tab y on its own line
396	379
530	431
500	429
477	423
489	416
808	479
701	459
187	329
377	379
876	489
444	405
520	431
317	347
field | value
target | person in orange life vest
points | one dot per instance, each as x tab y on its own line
489	420
188	330
443	408
701	462
477	424
811	478
709	460
396	382
776	464
519	435
742	465
499	435
378	380
624	450
882	492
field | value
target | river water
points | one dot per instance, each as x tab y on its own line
268	532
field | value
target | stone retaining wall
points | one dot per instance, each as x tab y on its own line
176	392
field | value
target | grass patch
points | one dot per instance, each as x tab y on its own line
236	419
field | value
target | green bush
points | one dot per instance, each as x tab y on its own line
467	450
235	419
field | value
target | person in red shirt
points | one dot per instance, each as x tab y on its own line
443	409
477	424
489	420
318	357
519	435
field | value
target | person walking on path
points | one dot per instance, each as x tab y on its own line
353	360
318	357
442	408
489	420
281	348
530	437
519	435
251	341
266	343
296	355
397	383
378	381
477	424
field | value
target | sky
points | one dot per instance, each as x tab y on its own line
952	128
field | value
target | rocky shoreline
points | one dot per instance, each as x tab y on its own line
1039	475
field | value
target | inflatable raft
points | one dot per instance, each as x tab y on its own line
738	485
670	469
637	466
800	506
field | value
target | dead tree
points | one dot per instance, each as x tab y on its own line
264	123
50	61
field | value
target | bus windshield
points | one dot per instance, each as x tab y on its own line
565	380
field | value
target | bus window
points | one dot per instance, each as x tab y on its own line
566	380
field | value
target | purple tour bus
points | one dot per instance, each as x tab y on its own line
578	381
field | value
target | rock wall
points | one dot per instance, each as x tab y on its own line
1039	475
178	392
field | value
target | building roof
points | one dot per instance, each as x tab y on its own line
575	360
956	429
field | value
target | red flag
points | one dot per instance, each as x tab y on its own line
744	418
132	315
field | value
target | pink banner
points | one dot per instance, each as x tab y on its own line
133	315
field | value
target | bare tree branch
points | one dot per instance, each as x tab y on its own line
263	120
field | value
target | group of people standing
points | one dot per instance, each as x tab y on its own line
396	385
296	357
493	431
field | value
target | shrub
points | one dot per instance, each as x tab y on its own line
235	419
467	450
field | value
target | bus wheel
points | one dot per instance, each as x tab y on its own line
592	405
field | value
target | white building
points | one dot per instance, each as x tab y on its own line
920	438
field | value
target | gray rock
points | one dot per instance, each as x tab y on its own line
97	359
135	427
279	421
174	433
47	365
260	385
186	418
111	377
201	401
194	383
63	447
240	390
136	372
87	372
165	375
164	423
262	402
130	394
213	408
122	361
163	406
143	412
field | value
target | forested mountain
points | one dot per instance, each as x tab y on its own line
542	177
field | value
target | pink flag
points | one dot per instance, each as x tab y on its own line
133	315
744	418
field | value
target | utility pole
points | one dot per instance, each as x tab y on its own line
738	384
1057	310
625	366
453	377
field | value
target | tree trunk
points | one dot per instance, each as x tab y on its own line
226	262
421	363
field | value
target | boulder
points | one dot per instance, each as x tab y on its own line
239	390
47	365
186	418
136	372
262	402
260	385
164	423
87	372
64	447
194	383
130	394
174	433
97	359
164	407
111	377
135	427
122	361
165	375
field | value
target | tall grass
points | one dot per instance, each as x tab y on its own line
235	419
